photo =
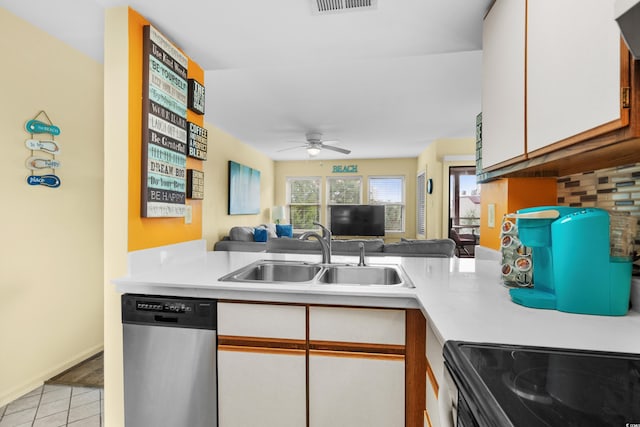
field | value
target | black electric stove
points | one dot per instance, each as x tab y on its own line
502	385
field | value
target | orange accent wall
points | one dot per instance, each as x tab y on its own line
509	195
146	233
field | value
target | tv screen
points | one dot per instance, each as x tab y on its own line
357	220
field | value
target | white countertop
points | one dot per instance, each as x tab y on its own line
464	299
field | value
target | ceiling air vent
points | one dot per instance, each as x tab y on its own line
333	6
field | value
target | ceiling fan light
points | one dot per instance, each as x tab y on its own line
313	151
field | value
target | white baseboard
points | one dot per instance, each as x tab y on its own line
39	379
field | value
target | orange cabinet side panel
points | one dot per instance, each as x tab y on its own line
152	232
509	195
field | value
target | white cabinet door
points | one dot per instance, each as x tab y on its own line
355	390
435	361
262	320
573	68
503	82
264	388
361	325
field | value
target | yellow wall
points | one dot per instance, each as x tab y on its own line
508	195
51	256
369	167
223	147
124	230
434	161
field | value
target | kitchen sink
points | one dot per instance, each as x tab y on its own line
361	275
273	271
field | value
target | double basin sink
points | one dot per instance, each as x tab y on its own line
272	271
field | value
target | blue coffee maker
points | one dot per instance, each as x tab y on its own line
573	270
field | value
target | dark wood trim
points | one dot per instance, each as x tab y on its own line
355	347
284	343
432	379
262	350
415	381
356	354
306	367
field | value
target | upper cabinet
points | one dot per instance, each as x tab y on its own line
558	88
573	69
503	83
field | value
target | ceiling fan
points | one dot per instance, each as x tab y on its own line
315	144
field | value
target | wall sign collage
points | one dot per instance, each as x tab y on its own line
44	149
167	137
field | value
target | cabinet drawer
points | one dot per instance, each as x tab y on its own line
262	320
358	325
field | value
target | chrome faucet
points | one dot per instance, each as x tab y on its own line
325	241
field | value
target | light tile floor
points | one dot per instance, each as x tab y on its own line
55	406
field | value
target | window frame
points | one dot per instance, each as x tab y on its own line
421	203
289	180
402	204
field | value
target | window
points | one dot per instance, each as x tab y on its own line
421	196
389	191
343	191
464	200
303	198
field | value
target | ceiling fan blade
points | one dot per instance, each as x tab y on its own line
292	148
338	149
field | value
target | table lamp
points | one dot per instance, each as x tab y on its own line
278	214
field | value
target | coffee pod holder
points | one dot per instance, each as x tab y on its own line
517	265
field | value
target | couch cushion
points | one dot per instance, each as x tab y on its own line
284	230
260	234
286	245
352	246
239	246
241	234
441	248
271	230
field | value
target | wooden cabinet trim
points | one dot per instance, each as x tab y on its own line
240	341
262	350
432	379
427	418
357	355
355	347
415	381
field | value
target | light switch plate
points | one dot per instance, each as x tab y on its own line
188	211
491	215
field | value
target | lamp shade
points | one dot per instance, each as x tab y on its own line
278	214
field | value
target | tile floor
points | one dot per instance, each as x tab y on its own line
55	406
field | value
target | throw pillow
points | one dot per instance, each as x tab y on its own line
284	230
271	230
241	234
260	234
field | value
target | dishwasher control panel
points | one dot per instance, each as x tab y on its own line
179	312
171	307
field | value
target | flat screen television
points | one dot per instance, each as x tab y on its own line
357	220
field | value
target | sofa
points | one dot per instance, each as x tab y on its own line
242	239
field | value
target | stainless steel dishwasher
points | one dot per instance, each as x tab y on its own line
169	361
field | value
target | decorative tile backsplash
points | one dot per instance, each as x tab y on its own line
614	189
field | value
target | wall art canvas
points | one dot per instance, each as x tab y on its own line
244	189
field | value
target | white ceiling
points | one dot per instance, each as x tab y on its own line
384	82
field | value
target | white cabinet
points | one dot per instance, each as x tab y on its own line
553	73
279	365
435	371
503	82
355	390
261	387
573	69
356	367
261	365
